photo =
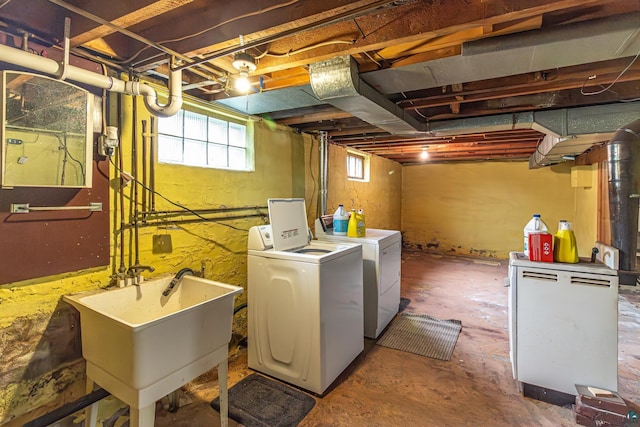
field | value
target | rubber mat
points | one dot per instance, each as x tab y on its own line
422	334
257	401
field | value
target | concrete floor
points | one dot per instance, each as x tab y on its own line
386	387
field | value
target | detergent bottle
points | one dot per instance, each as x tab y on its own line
340	221
565	248
352	229
535	225
362	226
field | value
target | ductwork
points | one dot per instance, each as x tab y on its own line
623	152
49	66
568	131
336	81
529	51
571	132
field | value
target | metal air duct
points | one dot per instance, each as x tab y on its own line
623	152
336	81
535	50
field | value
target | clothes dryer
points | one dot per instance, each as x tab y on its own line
305	301
381	257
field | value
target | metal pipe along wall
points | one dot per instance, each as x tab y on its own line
51	67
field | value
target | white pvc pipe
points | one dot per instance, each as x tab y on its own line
53	68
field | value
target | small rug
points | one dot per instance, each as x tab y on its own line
423	335
257	401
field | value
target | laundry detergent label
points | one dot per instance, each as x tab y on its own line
340	225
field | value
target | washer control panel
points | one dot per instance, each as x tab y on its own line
260	238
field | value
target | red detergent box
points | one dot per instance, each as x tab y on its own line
541	247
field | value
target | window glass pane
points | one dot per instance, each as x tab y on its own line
237	135
217	131
195	152
237	158
169	148
195	139
217	155
355	167
171	125
195	126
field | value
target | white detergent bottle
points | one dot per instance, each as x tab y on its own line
535	225
340	221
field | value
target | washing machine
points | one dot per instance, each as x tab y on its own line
305	300
381	259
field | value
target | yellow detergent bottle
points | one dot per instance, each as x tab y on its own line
362	226
352	228
565	248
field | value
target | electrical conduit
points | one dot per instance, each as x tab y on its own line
53	68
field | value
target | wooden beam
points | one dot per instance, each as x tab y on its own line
223	25
432	43
134	14
410	23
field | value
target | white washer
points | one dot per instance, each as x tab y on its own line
305	301
381	257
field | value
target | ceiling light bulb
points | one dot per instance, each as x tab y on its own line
424	155
242	82
244	63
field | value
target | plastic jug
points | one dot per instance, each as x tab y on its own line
565	248
535	225
352	229
362	226
340	221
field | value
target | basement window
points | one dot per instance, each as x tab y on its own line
357	166
205	139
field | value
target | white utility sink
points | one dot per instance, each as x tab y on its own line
140	345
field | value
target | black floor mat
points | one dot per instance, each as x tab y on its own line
257	401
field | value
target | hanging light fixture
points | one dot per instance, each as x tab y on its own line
245	64
424	155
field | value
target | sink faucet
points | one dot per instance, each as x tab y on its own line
176	279
135	270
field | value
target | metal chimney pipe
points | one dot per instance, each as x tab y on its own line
623	151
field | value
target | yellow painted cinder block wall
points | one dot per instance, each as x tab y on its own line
29	308
480	209
586	211
379	198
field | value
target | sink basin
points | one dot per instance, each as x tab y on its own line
140	345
